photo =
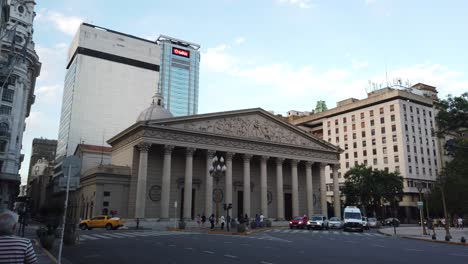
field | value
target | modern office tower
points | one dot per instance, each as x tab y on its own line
180	64
19	68
41	149
391	130
111	77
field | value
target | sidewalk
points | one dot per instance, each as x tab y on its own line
42	257
415	232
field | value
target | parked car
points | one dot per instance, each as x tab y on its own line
365	224
352	219
298	222
391	221
318	221
101	221
335	222
373	223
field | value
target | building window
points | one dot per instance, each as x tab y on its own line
364	153
347	164
384	150
106	193
344	120
406	127
105	204
375	162
4	130
363	134
374	151
419	120
8	95
356	163
381	110
363	124
346	146
382	120
422	160
417	110
392	118
430	114
410	170
329	132
408	148
405	117
392	108
346	156
385	160
393	128
372	132
371	113
354	144
411	109
336	122
365	162
396	158
345	129
355	154
328	123
397	168
354	135
345	137
404	107
394	138
373	141
337	130
337	140
5	110
395	148
353	118
362	115
384	140
354	126
372	122
382	130
364	143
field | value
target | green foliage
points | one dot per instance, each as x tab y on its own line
372	188
452	115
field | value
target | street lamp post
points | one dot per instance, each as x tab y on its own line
420	188
447	231
217	169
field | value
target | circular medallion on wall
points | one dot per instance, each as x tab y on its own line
218	195
155	193
269	197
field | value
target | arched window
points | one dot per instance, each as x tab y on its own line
4	129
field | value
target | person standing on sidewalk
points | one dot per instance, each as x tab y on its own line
212	221
198	220
222	221
262	217
203	220
460	222
14	249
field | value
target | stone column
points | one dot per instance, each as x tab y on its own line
247	158
166	182
188	184
295	188
309	187
209	183
228	191
140	203
323	190
264	186
336	191
279	189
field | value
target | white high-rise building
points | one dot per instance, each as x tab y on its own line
390	129
111	77
19	68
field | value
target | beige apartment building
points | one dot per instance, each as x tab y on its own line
390	129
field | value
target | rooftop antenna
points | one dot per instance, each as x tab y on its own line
386	75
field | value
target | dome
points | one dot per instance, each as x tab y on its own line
155	111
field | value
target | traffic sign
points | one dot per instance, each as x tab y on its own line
420	205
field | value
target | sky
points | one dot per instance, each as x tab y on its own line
279	55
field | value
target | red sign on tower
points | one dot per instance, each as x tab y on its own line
181	52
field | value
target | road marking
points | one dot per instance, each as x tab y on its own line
336	232
230	256
413	249
304	231
265	262
346	233
209	252
101	236
458	255
277	230
87	237
126	235
295	231
375	245
315	232
325	232
189	248
367	234
114	235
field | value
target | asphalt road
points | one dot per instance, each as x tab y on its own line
274	246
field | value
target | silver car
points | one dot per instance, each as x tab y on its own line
318	221
373	223
335	222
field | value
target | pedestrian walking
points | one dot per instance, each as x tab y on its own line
222	221
257	220
442	222
203	220
460	222
262	218
455	222
198	220
212	221
14	249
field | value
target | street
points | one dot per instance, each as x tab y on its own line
272	246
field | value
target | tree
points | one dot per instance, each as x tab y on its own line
371	188
452	125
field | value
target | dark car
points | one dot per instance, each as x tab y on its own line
391	222
298	222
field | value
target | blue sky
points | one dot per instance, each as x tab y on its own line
275	54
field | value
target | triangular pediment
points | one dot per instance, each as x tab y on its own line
251	124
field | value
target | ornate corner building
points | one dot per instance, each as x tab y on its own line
19	68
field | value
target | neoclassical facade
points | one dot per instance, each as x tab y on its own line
272	167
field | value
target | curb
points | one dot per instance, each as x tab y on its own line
224	233
54	260
423	239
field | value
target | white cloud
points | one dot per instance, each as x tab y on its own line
358	65
217	59
239	40
66	24
299	3
49	94
53	61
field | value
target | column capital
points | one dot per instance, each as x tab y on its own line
264	158
210	153
309	163
143	146
279	161
247	157
294	162
229	155
168	149
323	165
190	151
335	166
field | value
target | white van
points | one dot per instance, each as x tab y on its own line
352	219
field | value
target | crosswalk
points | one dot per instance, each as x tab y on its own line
89	237
324	232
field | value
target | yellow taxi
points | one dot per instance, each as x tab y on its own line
101	221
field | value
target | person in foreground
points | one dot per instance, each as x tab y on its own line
14	249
